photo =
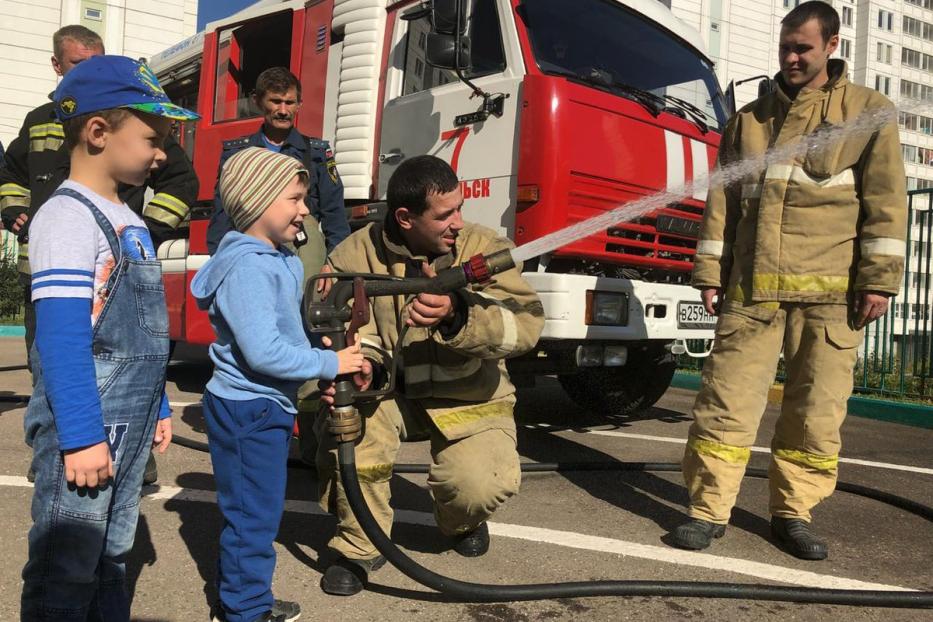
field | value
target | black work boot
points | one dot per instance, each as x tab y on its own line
283	610
473	543
696	534
346	577
798	539
151	476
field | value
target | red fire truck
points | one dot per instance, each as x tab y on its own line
551	112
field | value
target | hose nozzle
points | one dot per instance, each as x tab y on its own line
481	268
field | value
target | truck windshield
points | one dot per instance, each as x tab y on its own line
603	42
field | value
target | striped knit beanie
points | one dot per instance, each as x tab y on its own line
252	179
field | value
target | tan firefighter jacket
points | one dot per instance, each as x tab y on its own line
815	227
461	380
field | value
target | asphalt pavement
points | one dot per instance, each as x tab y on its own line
561	527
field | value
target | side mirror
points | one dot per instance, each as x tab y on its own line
447	15
766	87
441	51
729	96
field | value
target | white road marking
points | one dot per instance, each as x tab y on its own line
764	450
556	537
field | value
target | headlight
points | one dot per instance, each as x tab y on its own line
606	308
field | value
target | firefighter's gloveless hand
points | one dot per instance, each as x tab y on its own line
708	295
323	285
869	306
20	221
88	467
429	310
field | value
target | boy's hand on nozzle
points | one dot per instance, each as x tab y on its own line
163	435
89	467
350	359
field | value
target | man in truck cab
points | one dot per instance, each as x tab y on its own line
454	388
278	97
37	162
802	256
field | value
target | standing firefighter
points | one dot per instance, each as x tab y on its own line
807	255
36	163
454	388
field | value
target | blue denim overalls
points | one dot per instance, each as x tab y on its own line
80	538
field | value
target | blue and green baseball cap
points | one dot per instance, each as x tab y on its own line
108	81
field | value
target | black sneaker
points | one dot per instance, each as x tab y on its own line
474	543
798	539
31	475
282	610
346	577
696	534
151	476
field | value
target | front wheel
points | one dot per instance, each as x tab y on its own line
623	391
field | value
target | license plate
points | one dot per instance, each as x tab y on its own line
694	315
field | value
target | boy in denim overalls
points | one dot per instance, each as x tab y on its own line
101	345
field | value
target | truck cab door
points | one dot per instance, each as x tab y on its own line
422	104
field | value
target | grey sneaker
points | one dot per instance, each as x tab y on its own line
282	611
696	534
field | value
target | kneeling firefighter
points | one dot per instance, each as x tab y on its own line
453	388
807	254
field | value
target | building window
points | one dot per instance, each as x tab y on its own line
882	84
885	52
885	20
926	4
845	48
789	4
846	16
914	90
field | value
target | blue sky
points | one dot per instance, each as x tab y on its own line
209	10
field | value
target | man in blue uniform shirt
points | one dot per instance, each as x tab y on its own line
278	96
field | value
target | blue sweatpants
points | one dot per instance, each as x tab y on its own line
249	442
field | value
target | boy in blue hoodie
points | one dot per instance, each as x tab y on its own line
252	289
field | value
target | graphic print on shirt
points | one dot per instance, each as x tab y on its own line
136	244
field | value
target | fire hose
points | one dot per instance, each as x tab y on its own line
330	317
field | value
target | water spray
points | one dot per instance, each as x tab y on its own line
866	123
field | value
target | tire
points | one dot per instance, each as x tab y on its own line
623	391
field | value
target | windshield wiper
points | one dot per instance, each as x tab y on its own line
650	101
698	115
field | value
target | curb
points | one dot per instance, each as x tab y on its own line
12	331
916	415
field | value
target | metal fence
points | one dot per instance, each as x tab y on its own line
896	358
8	247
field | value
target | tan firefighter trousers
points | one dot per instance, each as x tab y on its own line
469	478
820	350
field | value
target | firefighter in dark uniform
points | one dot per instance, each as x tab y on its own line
36	162
278	96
